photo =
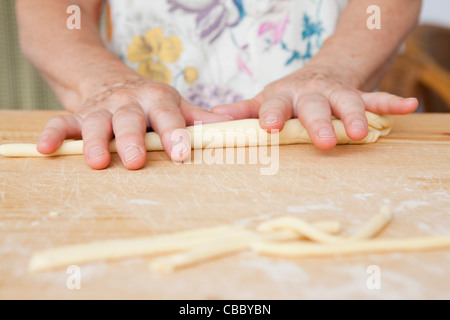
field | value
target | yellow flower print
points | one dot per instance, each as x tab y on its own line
190	75
156	71
151	51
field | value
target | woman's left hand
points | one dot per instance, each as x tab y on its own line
314	94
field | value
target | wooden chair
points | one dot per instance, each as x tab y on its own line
423	70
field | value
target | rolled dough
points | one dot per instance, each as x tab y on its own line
162	244
239	133
280	237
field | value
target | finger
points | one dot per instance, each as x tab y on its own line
130	126
349	107
168	122
314	112
245	109
274	112
97	133
385	103
193	113
57	130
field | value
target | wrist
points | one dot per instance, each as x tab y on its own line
97	84
103	74
338	64
96	71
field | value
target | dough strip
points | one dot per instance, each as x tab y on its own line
313	250
124	248
228	245
238	133
370	229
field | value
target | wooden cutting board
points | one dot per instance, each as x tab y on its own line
51	202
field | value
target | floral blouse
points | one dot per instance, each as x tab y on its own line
219	51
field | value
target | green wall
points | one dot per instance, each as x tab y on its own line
21	87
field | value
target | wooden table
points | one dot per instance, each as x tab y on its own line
50	202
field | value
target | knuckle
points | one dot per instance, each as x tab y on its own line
167	132
279	87
175	134
58	121
341	97
92	142
271	88
162	92
129	137
338	98
313	99
353	115
96	127
319	123
121	96
317	83
279	100
132	113
283	99
161	113
101	115
60	125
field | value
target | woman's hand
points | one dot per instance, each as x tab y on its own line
107	97
314	94
353	60
125	109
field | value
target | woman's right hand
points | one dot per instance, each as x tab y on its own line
124	110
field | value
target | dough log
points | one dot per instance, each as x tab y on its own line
239	133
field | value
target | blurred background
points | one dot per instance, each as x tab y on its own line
422	69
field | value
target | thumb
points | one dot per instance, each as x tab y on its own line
243	109
193	113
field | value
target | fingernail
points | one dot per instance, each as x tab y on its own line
131	153
358	124
326	133
271	119
179	148
229	116
96	152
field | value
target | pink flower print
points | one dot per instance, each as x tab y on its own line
243	66
277	29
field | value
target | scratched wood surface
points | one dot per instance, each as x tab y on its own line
50	202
